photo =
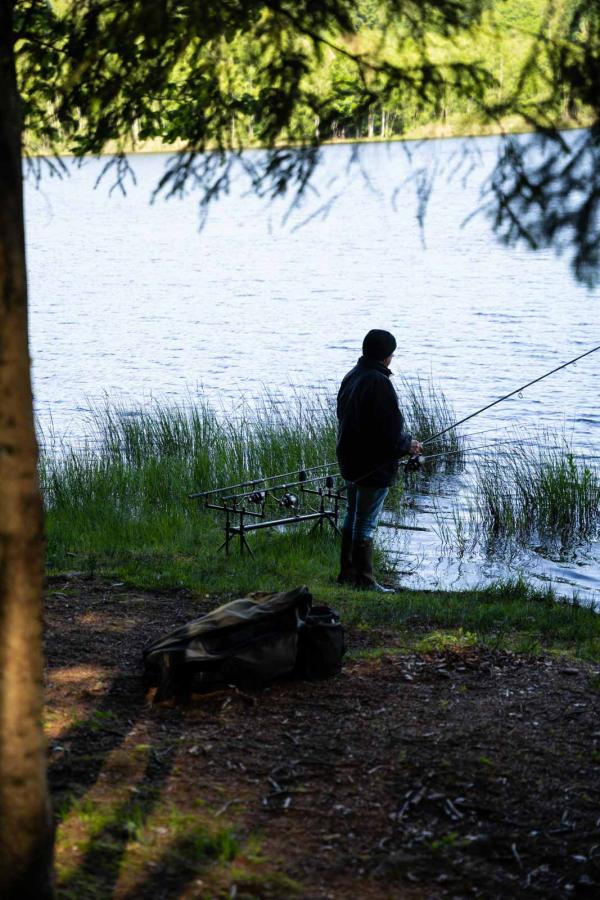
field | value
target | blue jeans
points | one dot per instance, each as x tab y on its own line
364	508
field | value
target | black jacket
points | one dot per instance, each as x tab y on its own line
370	426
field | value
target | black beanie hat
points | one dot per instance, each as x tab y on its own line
378	344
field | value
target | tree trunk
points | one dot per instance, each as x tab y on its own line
25	829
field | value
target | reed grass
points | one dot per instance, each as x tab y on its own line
539	490
127	485
123	496
241	443
540	494
126	492
428	412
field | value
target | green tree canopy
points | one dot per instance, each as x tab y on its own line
202	75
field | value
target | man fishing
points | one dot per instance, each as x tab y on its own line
370	441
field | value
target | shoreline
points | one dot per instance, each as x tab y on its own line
435	131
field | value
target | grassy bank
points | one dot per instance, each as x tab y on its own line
119	508
123	496
122	500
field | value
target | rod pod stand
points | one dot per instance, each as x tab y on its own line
236	513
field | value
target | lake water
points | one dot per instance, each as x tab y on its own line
131	301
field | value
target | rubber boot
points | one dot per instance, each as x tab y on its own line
347	573
362	557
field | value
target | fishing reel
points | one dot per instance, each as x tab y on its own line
257	497
413	463
289	501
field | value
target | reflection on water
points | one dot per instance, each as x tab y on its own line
131	301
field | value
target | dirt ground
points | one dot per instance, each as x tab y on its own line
472	773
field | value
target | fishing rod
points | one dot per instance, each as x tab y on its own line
414	462
511	394
258	481
284	487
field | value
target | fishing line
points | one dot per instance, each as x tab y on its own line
483	447
511	394
471	434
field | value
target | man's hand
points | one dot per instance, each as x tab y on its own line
416	448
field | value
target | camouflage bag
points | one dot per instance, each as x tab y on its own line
247	643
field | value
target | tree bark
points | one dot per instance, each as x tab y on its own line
25	824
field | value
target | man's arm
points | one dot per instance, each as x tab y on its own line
405	443
390	421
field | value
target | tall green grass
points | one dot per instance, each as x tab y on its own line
129	482
428	412
241	443
125	494
538	490
121	499
127	491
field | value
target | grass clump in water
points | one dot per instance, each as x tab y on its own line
540	490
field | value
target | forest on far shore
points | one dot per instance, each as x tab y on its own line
349	78
512	41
